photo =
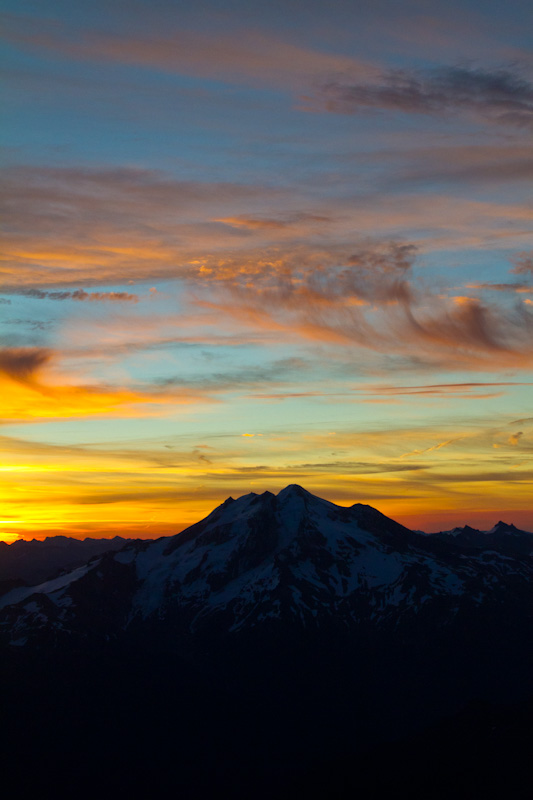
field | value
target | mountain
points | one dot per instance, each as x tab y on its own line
280	632
30	562
502	537
264	559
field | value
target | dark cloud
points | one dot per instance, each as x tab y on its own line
31	324
80	295
523	264
398	258
23	363
500	95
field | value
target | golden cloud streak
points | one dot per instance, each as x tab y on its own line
26	397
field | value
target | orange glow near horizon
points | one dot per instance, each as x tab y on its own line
146	493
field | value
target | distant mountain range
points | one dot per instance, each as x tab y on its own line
32	561
277	631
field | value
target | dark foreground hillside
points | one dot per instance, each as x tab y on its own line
159	726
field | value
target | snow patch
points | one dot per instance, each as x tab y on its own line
22	592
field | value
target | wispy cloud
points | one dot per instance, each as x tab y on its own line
321	283
279	372
254	57
122	225
244	56
517	288
431	449
462	390
381	309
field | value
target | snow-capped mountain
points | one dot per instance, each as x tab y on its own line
264	560
503	536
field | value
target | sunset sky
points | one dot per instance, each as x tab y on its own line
253	244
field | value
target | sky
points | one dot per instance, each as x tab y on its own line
248	244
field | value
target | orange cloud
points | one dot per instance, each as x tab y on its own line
292	221
469	335
129	224
323	287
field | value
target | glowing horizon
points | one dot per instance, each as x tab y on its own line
265	246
